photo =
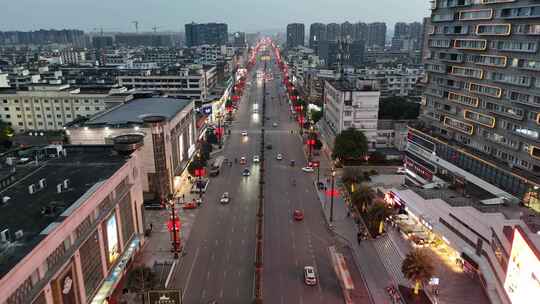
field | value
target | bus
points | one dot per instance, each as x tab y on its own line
255	108
216	165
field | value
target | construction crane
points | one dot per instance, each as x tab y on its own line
155	28
136	25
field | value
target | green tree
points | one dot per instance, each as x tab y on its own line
141	279
398	108
376	214
417	268
211	137
362	197
350	143
315	115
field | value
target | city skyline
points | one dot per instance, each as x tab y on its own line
167	16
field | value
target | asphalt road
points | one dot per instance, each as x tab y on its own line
220	252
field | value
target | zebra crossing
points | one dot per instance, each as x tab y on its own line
391	259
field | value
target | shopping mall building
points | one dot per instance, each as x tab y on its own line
70	222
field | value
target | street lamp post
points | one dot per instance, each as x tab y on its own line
311	143
220	133
174	229
332	196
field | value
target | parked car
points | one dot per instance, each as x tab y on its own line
243	160
310	278
401	170
307	169
244	133
279	156
190	205
246	172
256	159
298	215
225	198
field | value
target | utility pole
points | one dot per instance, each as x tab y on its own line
136	23
332	196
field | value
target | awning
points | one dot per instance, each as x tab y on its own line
469	260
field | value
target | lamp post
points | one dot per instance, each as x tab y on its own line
220	133
199	173
174	227
332	196
311	142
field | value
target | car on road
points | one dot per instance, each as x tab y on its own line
307	169
401	170
190	205
298	215
244	133
274	124
279	156
320	186
246	172
225	199
310	278
243	160
153	205
256	159
199	186
269	147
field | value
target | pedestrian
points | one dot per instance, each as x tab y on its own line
151	226
183	197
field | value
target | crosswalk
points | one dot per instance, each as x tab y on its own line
391	259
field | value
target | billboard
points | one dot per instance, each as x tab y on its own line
112	240
522	283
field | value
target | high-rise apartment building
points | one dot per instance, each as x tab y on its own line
206	33
376	34
239	39
295	35
347	31
360	31
401	30
317	33
333	32
481	113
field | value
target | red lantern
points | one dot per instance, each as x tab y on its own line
334	193
311	142
200	172
229	109
174	225
236	98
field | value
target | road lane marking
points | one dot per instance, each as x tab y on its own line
213	257
225	274
190	272
203	294
208	275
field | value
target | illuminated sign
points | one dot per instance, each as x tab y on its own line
112	240
522	282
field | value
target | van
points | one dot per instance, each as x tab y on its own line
216	166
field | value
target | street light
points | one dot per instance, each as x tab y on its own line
332	196
174	227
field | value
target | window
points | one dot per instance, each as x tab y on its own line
512	112
20	124
520	12
520	80
526	64
470	44
439	68
493	29
440	43
467	72
526	46
450	29
58	116
17	109
463	99
87	108
68	115
458	125
6	109
97	108
483	14
483	119
485	90
451	57
442	17
527	29
489	60
496	1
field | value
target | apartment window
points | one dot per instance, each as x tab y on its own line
50	123
440	43
46	101
463	99
16	101
96	101
17	109
526	46
458	125
493	29
8	116
20	124
47	109
442	17
483	14
58	116
489	60
68	115
470	44
19	116
38	115
485	90
467	72
520	80
527	29
520	12
57	108
526	64
451	57
483	119
97	108
496	1
5	101
6	109
439	68
505	110
86	101
40	123
67	108
87	108
525	98
49	116
55	101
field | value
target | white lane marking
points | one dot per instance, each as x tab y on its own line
203	295
237	292
221	294
213	257
208	275
188	280
225	274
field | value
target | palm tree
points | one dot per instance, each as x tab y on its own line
376	215
418	268
362	197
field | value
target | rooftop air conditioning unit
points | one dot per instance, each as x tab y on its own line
5	199
19	234
66	184
42	183
32	189
4	236
59	188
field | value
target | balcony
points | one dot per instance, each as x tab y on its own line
458	125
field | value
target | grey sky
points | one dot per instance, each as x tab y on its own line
244	15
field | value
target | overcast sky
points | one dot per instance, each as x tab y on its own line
243	15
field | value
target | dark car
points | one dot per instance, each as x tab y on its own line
153	205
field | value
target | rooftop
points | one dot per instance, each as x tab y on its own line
345	85
134	111
82	167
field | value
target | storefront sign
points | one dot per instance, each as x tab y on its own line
523	275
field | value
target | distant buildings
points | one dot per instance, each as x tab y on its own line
376	35
102	42
407	36
40	37
333	32
145	39
295	35
206	33
239	40
317	34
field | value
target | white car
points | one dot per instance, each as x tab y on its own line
225	198
279	156
401	170
244	133
256	159
274	124
310	278
307	169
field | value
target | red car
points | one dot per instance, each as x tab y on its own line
190	205
298	215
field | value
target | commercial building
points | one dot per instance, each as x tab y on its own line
144	39
295	35
206	33
347	31
376	35
70	223
188	82
360	31
351	105
44	107
168	127
301	59
481	98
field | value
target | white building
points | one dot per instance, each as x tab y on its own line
348	105
4	82
393	81
300	59
172	147
48	107
72	56
392	134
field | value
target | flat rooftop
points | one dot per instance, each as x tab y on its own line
84	166
344	85
135	110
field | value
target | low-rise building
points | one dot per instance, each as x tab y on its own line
399	81
351	105
168	127
70	226
392	134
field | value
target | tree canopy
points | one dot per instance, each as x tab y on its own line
350	143
398	108
417	267
315	115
